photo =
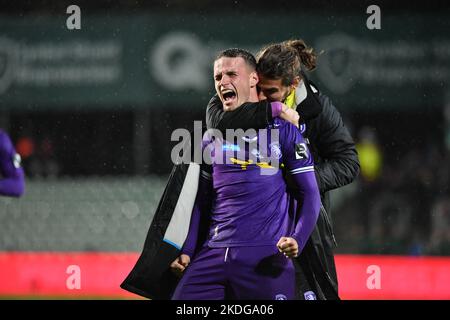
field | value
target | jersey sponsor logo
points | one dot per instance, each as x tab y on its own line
310	295
301	152
275	150
17	161
244	163
280	297
231	147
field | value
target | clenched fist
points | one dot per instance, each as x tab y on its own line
180	264
288	246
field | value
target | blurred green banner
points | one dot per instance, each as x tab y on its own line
147	61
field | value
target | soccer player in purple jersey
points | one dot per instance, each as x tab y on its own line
251	232
11	173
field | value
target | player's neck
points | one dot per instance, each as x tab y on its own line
253	96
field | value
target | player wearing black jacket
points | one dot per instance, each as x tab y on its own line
337	165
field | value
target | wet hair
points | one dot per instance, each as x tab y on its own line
285	60
235	53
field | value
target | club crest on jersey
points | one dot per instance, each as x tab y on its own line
280	297
275	150
301	152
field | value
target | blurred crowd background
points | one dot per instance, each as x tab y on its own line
91	112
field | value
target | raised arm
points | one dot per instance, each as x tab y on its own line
249	115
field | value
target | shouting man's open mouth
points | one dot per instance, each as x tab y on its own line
229	96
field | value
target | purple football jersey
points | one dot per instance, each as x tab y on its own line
250	205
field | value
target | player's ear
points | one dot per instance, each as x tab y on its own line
296	82
254	79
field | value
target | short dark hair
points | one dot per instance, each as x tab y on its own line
235	53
